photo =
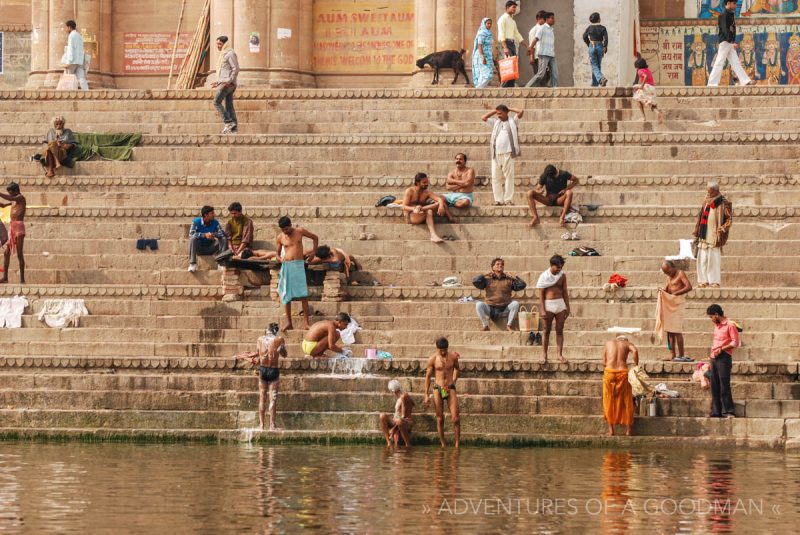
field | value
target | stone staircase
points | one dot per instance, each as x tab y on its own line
153	358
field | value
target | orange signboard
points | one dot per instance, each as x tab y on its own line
150	53
364	36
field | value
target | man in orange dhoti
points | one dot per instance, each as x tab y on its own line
617	392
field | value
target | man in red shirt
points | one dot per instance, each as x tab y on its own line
726	338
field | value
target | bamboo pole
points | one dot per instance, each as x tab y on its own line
200	42
175	46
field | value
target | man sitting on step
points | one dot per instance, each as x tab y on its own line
401	421
460	184
206	237
419	205
499	287
239	230
617	393
323	335
269	349
554	189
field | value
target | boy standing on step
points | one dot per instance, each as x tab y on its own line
443	365
16	231
269	349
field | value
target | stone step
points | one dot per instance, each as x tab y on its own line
154	419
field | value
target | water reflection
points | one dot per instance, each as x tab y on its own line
79	488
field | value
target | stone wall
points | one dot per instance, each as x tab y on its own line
617	16
16	57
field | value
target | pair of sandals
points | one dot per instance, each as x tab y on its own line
534	339
683	359
448	237
364	236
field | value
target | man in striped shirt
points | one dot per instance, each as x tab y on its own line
546	49
508	35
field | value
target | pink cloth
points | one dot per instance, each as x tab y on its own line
725	333
647	74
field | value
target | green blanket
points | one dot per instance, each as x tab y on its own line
107	146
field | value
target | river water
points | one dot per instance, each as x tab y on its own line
196	488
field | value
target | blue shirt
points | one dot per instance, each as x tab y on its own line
198	227
547	41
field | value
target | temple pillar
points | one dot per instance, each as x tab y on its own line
439	26
222	16
40	43
94	21
251	16
290	38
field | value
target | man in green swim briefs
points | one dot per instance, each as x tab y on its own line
460	184
444	366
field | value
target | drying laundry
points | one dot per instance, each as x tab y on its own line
60	313
11	310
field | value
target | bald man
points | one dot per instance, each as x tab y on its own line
617	392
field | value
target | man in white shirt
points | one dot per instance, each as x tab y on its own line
505	147
533	37
546	49
508	34
74	58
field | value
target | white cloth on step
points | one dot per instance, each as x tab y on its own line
60	313
11	310
349	333
685	251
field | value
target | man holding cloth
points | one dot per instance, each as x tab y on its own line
508	35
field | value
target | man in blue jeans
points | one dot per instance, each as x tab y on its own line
545	45
227	71
596	38
508	35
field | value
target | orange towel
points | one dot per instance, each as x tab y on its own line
669	314
617	397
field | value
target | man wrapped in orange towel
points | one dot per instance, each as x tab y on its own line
617	393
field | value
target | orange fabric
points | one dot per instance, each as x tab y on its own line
617	397
16	230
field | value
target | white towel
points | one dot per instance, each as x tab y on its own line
60	313
349	333
547	279
11	310
685	251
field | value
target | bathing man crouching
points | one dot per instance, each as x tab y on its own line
400	422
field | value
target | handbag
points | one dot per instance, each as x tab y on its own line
528	321
509	69
67	82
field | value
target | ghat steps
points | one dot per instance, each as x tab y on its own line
153	359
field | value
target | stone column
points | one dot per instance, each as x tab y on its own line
290	43
94	16
251	16
40	43
440	26
222	16
59	12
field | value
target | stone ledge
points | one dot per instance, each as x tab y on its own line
410	93
111	291
338	212
578	138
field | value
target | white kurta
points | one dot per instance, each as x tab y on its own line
73	52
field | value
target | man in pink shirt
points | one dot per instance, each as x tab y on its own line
726	338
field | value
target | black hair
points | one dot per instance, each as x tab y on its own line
344	317
71	24
462	154
715	309
640	63
726	2
235	207
323	251
548	15
223	38
594	18
273	328
540	14
442	343
502	107
670	263
549	172
557	260
284	222
419	177
206	210
494	261
510	3
13	188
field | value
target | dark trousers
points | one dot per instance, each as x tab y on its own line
721	397
512	51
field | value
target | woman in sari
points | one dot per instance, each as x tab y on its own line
59	141
482	58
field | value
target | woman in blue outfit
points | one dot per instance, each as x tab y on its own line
482	57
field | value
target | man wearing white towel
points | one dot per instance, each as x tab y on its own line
554	303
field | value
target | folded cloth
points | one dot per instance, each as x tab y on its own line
624	330
453	197
638	379
292	283
59	313
661	389
685	251
11	310
349	334
107	146
547	279
669	314
617	397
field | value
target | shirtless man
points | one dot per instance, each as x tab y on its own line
401	421
617	393
323	335
337	259
416	208
270	348
461	184
554	303
444	364
292	283
16	230
677	285
554	189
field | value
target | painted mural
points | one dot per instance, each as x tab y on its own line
707	9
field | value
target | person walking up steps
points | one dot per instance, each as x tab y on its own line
596	38
227	73
726	48
508	35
